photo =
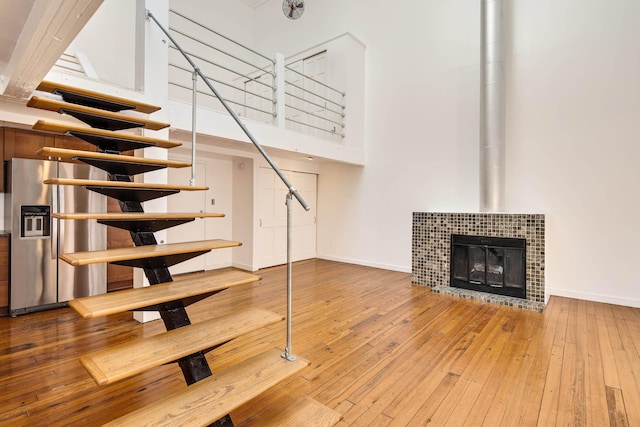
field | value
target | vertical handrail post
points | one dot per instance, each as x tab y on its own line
279	95
292	192
288	353
194	113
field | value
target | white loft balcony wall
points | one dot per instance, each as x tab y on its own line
345	71
110	47
346	62
221	125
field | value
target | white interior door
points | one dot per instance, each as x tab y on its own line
315	67
304	222
271	238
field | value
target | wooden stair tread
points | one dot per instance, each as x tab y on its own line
300	412
52	87
122	184
142	252
131	299
63	128
55	105
131	358
68	154
134	215
210	399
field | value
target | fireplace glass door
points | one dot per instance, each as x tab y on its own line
489	264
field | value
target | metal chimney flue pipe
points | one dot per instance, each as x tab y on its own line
492	105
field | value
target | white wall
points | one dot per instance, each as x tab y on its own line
573	127
573	87
109	39
421	120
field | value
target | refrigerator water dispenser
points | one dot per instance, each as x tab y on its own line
35	221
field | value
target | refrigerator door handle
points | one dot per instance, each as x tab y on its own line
55	223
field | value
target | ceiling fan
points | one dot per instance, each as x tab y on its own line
293	9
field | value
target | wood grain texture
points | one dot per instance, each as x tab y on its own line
181	287
143	107
55	105
212	398
371	337
63	128
130	358
141	252
72	154
300	412
122	184
135	215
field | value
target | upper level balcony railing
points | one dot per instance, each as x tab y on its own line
248	80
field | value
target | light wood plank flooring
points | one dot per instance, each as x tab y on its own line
382	352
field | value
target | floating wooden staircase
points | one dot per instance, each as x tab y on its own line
207	398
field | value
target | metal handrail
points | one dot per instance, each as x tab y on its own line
316	127
222	51
237	73
314	103
228	100
222	83
314	94
323	100
233	114
287	354
315	81
221	35
314	115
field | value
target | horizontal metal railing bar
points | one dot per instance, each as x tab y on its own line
223	36
226	84
315	127
286	82
314	80
313	103
263	69
237	73
314	115
292	190
190	89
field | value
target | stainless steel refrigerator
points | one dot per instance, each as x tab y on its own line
38	279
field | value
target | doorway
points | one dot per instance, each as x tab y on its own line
271	245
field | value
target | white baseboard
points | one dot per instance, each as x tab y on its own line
146	316
242	266
392	267
217	265
588	296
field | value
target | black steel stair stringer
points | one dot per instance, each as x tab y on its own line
174	315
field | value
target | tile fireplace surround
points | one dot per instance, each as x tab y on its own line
431	247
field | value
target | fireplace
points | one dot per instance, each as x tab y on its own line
489	264
431	252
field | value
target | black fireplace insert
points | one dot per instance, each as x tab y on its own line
489	264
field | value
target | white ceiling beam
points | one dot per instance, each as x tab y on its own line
49	29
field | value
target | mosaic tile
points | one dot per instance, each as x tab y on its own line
431	244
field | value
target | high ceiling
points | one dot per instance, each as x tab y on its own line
33	35
255	3
12	19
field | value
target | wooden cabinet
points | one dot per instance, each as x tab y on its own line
25	143
4	275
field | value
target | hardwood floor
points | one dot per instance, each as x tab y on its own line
382	352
